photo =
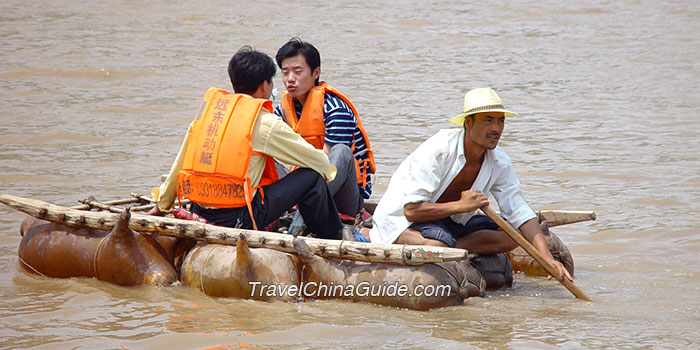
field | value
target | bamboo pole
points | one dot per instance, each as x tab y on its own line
518	238
104	206
371	252
142	198
145	207
87	206
109	206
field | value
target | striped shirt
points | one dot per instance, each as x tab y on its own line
341	128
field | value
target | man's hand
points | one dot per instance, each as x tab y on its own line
562	271
471	200
428	211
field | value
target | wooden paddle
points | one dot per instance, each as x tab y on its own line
530	249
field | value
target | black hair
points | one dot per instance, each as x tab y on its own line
473	118
294	47
249	68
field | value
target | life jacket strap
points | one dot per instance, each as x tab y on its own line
248	203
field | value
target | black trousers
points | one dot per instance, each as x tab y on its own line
304	187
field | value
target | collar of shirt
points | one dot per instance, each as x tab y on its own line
450	145
423	176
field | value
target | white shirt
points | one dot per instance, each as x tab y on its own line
425	174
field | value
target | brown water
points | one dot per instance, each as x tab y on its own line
95	98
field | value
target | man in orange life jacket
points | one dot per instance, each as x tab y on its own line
225	165
328	121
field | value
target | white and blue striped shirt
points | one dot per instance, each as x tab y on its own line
341	128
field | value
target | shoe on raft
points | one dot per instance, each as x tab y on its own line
352	233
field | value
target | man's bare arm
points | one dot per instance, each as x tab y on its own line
427	211
533	233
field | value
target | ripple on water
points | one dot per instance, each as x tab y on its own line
97	102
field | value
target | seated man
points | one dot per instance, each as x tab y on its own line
226	167
328	121
432	195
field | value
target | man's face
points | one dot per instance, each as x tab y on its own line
297	76
486	128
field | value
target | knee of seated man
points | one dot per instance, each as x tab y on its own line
413	237
508	245
340	153
311	176
434	242
498	240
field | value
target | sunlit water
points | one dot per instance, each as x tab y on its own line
96	97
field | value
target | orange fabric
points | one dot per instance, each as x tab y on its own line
312	127
215	168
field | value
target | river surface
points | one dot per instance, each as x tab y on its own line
95	98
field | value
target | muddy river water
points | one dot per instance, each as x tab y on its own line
95	98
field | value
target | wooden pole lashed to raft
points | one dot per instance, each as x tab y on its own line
92	203
88	203
371	252
563	217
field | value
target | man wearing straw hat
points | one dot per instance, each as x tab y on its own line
433	194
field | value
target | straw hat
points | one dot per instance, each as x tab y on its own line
480	100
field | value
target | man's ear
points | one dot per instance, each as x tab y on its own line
468	122
260	92
316	73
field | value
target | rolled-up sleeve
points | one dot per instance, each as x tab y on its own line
423	175
166	193
282	143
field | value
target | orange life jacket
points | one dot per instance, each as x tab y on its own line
312	127
215	168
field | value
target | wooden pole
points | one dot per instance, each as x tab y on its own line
564	217
103	206
145	207
371	252
518	238
111	205
142	198
87	206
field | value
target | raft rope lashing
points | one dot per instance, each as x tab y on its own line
94	260
30	266
403	254
461	284
340	248
246	191
201	271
